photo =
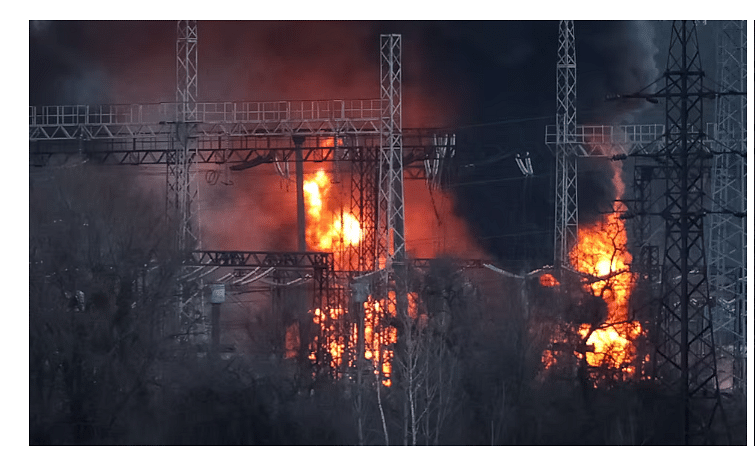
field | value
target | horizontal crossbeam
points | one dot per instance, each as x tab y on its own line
245	151
609	141
212	119
254	259
424	264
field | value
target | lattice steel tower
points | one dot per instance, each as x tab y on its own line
727	270
566	157
181	187
391	245
685	358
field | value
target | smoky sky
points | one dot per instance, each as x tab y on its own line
491	82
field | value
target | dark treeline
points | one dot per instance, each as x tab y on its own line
468	370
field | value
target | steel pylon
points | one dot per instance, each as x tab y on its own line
727	270
685	353
566	210
181	187
391	245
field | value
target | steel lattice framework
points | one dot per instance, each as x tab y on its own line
363	205
187	83
391	244
260	259
181	187
566	217
646	173
246	134
572	141
727	270
685	358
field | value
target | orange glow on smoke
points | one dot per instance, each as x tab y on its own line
292	341
602	254
326	231
548	359
330	142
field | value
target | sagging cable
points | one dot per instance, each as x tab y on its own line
223	278
202	275
295	282
198	269
502	272
247	276
265	273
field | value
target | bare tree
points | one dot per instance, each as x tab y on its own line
94	301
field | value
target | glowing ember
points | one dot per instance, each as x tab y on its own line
548	280
548	359
292	341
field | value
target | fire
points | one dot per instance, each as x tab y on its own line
326	231
548	280
330	229
612	346
601	253
378	340
379	337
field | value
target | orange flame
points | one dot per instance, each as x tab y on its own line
324	231
548	280
601	253
379	337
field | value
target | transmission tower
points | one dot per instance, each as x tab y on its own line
685	358
181	187
727	270
566	158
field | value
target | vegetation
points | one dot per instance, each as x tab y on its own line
468	370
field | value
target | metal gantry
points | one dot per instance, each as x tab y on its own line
572	141
246	134
727	268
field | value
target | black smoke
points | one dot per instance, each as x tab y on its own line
492	82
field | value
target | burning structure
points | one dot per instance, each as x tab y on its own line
356	304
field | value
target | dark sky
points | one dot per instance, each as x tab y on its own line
491	82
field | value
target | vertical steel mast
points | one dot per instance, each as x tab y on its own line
565	235
686	360
390	238
727	271
181	189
